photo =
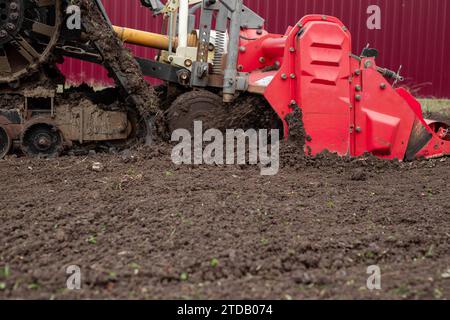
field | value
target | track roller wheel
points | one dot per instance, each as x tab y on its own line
197	105
42	140
5	142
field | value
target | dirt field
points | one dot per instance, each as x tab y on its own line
143	228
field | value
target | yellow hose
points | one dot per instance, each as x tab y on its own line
150	39
142	38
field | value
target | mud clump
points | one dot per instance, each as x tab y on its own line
106	99
297	135
11	101
35	84
251	112
359	175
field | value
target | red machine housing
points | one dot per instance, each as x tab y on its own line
348	107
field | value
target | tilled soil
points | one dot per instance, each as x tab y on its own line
143	228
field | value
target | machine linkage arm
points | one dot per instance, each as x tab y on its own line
155	5
391	74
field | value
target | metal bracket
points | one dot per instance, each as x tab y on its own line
200	68
159	70
155	5
251	20
229	83
201	74
242	81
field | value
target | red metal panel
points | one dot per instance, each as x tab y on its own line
414	33
364	115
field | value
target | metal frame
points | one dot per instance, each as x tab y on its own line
239	16
231	16
161	71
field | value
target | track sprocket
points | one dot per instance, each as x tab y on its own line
29	31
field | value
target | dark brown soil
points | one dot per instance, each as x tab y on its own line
143	228
250	112
10	101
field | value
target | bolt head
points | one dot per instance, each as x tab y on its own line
242	49
284	76
44	142
383	86
10	27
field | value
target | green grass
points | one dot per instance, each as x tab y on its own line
435	106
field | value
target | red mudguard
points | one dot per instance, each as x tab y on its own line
348	107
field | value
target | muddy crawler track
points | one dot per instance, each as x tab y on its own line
118	59
143	228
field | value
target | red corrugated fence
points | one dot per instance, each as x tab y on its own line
414	33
